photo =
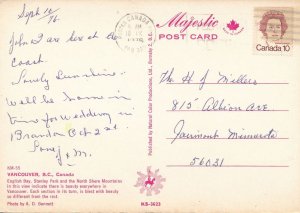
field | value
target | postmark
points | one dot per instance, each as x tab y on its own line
273	31
132	32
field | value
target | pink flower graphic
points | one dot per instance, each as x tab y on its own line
150	182
233	25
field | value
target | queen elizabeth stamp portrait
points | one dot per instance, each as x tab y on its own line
273	30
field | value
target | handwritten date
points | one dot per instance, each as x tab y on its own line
48	14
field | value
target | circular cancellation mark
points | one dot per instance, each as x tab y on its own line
132	32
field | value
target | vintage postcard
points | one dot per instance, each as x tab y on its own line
149	106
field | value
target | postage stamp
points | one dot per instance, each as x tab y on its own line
273	30
132	32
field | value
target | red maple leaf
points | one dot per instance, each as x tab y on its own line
233	25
